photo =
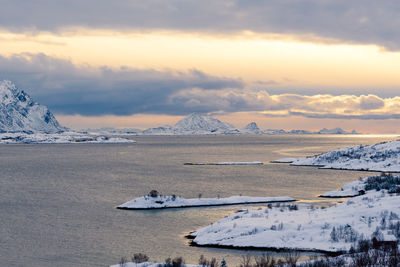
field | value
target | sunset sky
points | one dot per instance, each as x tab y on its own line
291	64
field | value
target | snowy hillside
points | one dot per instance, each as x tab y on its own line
378	182
383	157
18	112
332	229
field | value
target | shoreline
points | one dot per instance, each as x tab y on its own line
271	249
322	167
206	205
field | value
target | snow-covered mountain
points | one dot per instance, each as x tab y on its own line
335	131
274	131
19	113
251	128
383	157
300	132
162	130
112	131
197	123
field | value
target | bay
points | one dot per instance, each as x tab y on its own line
57	202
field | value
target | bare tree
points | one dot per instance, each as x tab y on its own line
291	258
123	261
245	261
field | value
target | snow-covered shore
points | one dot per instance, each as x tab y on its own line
57	138
148	264
163	202
383	157
333	229
352	189
226	163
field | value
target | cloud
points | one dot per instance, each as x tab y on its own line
69	89
343	116
358	21
364	107
90	91
371	102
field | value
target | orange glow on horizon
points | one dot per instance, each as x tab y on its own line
284	59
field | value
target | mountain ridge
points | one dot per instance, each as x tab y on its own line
202	124
20	113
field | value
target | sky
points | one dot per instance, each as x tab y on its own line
291	64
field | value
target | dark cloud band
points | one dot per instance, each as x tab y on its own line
69	89
356	21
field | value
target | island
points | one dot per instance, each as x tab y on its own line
156	201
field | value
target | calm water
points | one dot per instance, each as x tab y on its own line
57	202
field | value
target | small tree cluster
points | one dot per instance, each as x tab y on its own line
345	233
153	193
289	259
139	258
123	261
176	262
383	182
208	263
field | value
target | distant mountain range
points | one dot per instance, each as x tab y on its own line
19	113
200	124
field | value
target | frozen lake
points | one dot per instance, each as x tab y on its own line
57	202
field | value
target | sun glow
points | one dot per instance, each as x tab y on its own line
285	60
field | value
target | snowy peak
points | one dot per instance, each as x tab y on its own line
19	113
335	131
251	128
197	123
162	130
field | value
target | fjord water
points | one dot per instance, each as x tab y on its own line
57	202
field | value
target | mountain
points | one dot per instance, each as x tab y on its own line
162	130
335	131
251	128
19	113
274	131
111	131
300	132
197	123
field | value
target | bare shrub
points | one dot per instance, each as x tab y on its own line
123	261
291	258
139	257
207	263
245	261
153	193
264	260
178	262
